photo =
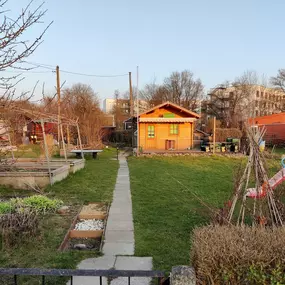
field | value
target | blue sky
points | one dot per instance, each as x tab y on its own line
216	39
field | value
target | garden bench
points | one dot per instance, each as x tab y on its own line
93	151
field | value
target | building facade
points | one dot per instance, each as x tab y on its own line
244	102
274	126
123	105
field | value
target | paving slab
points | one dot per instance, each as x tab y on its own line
119	236
120	225
132	263
125	197
88	280
103	262
118	248
117	210
119	204
122	216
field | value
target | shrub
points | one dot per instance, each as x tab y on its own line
18	227
39	203
42	204
6	207
223	134
239	255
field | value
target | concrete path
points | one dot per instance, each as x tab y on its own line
119	238
119	235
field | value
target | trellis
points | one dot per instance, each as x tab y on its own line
44	117
255	170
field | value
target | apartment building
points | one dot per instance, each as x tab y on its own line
248	101
124	106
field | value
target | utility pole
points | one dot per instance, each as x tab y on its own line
131	96
138	110
117	107
58	102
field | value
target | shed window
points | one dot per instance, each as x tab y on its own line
150	132
169	115
174	129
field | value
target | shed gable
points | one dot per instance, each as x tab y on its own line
166	112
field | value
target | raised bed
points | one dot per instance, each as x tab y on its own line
33	176
75	164
89	238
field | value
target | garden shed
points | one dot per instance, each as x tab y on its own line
166	127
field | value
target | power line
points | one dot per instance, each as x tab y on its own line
25	71
94	75
47	66
38	64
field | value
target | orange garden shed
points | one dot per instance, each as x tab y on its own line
166	127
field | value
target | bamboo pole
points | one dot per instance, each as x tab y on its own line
80	143
46	150
214	135
58	101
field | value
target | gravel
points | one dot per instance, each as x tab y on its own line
89	225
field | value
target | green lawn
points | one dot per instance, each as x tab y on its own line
95	183
166	194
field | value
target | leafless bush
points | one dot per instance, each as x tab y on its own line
238	255
18	227
223	134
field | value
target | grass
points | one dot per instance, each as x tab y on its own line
173	195
95	183
28	151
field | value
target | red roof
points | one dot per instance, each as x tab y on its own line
267	120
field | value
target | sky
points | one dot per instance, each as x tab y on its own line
217	40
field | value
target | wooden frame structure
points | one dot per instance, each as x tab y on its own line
52	118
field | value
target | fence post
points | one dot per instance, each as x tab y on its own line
182	275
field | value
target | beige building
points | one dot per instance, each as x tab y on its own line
124	105
248	101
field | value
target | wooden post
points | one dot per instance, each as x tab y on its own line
63	142
80	143
131	96
214	135
138	111
58	103
68	135
13	157
46	150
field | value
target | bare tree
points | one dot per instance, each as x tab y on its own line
81	102
180	88
279	83
15	47
183	89
279	80
233	102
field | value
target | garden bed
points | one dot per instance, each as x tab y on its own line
33	176
75	164
87	229
84	243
